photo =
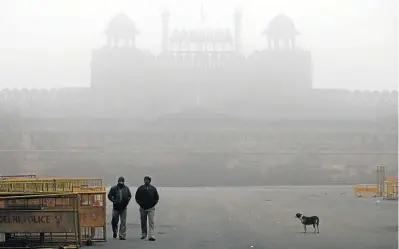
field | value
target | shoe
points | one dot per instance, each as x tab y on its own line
151	239
121	238
115	235
143	236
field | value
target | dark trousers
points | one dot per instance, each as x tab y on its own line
122	214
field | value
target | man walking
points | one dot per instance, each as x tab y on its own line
147	197
120	196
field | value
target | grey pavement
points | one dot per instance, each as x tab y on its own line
263	217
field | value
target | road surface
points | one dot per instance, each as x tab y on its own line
263	217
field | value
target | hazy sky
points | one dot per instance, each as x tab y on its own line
48	43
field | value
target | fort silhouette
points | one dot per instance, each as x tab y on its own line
200	106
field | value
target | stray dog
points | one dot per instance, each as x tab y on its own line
306	221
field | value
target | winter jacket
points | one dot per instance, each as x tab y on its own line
147	197
120	197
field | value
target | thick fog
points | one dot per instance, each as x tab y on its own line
47	44
265	92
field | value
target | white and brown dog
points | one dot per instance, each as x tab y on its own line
307	221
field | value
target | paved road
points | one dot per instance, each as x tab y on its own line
263	217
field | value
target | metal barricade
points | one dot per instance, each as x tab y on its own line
92	199
93	216
391	189
40	220
366	189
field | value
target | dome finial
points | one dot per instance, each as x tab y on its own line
281	29
121	28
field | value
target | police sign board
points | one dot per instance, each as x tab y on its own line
23	221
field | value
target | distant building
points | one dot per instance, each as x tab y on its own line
200	67
199	105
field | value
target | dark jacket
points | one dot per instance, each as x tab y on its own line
147	197
120	197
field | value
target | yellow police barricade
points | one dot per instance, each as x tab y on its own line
92	199
366	189
40	220
391	188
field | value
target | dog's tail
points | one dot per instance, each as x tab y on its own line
317	221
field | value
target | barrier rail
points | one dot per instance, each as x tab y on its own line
34	187
79	185
40	220
366	189
16	176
